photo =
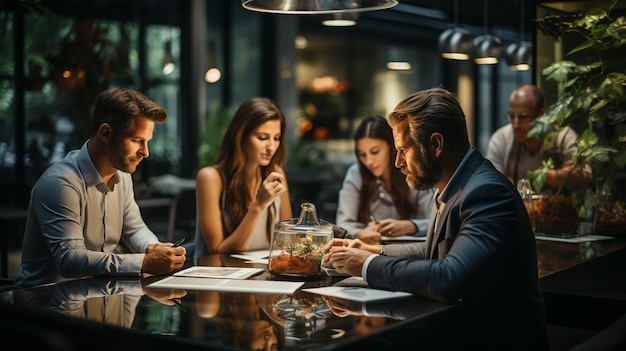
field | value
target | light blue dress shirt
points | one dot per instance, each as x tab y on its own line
76	226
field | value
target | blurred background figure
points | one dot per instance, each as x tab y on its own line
513	153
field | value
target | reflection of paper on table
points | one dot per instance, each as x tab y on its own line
358	293
231	285
219	272
352	281
402	238
333	273
577	239
260	256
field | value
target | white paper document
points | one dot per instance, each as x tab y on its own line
219	272
358	293
260	256
229	285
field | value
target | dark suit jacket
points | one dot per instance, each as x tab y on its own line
482	254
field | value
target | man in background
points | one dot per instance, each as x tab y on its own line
513	153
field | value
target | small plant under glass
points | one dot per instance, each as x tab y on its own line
298	244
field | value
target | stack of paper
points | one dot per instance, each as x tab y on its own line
231	279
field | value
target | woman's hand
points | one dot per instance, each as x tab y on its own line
273	186
396	227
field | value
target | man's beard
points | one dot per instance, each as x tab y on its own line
118	158
428	171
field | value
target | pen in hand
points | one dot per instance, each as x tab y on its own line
178	303
179	242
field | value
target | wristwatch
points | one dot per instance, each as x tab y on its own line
383	250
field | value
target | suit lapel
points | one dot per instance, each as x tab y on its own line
430	234
449	197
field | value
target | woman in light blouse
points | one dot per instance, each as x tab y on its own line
375	199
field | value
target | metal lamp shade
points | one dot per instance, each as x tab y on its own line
456	44
488	49
519	56
316	6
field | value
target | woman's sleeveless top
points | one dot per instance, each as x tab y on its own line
259	237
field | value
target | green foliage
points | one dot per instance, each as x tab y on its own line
537	177
306	154
592	95
217	121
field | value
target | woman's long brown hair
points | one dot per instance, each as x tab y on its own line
232	157
376	127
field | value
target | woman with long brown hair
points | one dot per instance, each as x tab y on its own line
375	199
244	192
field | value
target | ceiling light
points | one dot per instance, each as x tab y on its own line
396	59
519	56
168	62
456	44
316	7
341	19
488	49
398	65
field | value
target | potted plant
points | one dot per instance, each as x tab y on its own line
592	100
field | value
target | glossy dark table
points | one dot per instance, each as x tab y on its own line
122	314
132	314
584	287
554	256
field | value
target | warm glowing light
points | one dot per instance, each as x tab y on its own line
455	56
168	68
398	66
321	133
301	42
339	22
212	75
486	60
521	67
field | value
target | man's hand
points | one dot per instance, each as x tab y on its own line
164	296
163	259
345	259
369	235
356	243
342	307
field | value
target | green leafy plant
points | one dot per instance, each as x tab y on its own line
591	98
210	138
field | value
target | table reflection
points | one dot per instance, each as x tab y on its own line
210	319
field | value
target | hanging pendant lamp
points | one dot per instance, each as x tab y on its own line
317	6
488	48
456	43
519	55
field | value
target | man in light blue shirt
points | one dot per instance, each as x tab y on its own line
83	219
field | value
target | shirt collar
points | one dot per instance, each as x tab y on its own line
90	172
444	194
